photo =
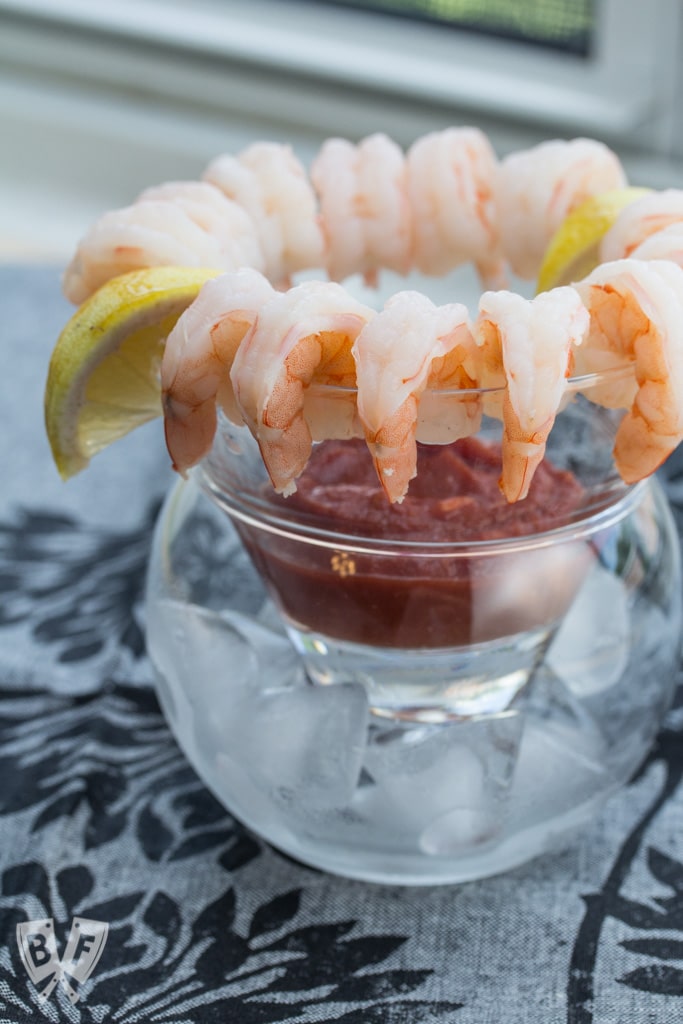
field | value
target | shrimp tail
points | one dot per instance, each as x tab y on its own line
524	453
190	431
530	342
636	310
199	352
394	452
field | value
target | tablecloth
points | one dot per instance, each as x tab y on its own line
102	819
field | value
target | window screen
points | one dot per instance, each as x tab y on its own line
559	24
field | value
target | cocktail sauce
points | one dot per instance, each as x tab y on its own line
412	597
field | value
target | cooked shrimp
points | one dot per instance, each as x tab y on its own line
409	345
273	187
334	174
666	244
216	214
451	183
198	356
301	337
640	220
364	207
146	235
531	342
636	311
163	231
537	188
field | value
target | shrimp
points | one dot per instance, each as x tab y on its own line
639	221
666	244
198	356
537	188
162	231
451	183
216	214
364	207
636	311
272	186
409	345
300	338
530	343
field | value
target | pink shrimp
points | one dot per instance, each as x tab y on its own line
180	224
636	311
639	221
451	184
666	244
410	345
364	207
198	357
537	188
270	183
301	338
529	344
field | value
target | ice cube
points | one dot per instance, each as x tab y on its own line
446	784
199	659
209	665
562	755
197	650
591	648
210	653
237	695
304	745
234	787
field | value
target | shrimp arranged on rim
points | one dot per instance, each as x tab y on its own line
528	344
639	221
185	224
271	184
198	356
451	184
364	207
666	244
636	311
301	337
411	345
537	188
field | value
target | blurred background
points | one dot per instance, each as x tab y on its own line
100	99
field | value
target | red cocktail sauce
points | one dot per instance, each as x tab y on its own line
413	599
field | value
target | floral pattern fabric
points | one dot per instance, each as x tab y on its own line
101	817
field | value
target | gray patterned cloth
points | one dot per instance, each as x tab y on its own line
102	819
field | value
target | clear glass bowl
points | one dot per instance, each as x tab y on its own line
411	704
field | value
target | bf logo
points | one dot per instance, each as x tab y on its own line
38	950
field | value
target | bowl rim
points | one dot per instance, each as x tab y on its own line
613	502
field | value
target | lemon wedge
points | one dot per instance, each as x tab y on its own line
574	248
103	379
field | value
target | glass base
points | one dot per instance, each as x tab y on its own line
452	868
425	684
411	766
372	794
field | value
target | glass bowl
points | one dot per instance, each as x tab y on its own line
427	693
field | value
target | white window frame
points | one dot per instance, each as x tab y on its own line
626	92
